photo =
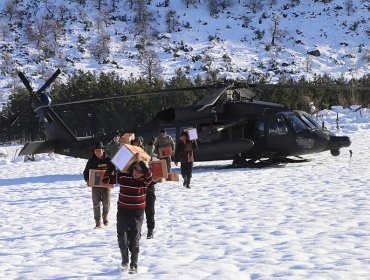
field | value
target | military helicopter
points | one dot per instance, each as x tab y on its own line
236	128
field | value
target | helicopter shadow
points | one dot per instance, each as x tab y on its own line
225	168
39	179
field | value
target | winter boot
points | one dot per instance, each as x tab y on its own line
124	255
188	182
133	264
105	219
124	267
185	180
149	234
132	270
97	224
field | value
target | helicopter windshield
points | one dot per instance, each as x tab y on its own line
296	123
312	122
306	121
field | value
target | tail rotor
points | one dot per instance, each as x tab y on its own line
36	98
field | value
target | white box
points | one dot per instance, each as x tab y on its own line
193	135
125	156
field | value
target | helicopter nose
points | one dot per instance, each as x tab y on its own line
337	142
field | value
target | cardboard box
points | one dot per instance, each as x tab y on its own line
173	177
127	138
159	168
95	179
192	133
165	152
126	155
161	180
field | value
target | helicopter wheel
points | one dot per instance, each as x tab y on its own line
335	152
239	161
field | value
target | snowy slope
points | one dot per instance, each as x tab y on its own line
202	42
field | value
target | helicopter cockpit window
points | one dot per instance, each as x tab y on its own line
278	126
307	121
296	123
312	120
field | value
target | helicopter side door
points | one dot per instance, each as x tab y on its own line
279	136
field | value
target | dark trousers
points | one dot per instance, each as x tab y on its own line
150	207
186	169
129	225
100	194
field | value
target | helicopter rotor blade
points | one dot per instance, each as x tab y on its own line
30	90
126	96
25	106
25	82
305	86
49	81
211	98
219	88
21	112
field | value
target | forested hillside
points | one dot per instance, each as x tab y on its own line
153	38
143	45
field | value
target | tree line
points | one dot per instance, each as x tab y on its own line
108	116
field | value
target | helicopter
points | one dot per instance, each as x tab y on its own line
236	128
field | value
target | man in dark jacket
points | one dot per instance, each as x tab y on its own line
99	160
184	155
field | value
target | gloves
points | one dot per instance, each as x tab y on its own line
143	165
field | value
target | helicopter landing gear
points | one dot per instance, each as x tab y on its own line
291	160
241	162
335	152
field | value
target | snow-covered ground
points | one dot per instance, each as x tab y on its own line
296	221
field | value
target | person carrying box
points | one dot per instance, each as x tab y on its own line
164	147
184	155
113	145
99	160
130	210
150	149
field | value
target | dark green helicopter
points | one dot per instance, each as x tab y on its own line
234	128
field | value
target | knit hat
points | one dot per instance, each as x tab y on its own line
99	145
